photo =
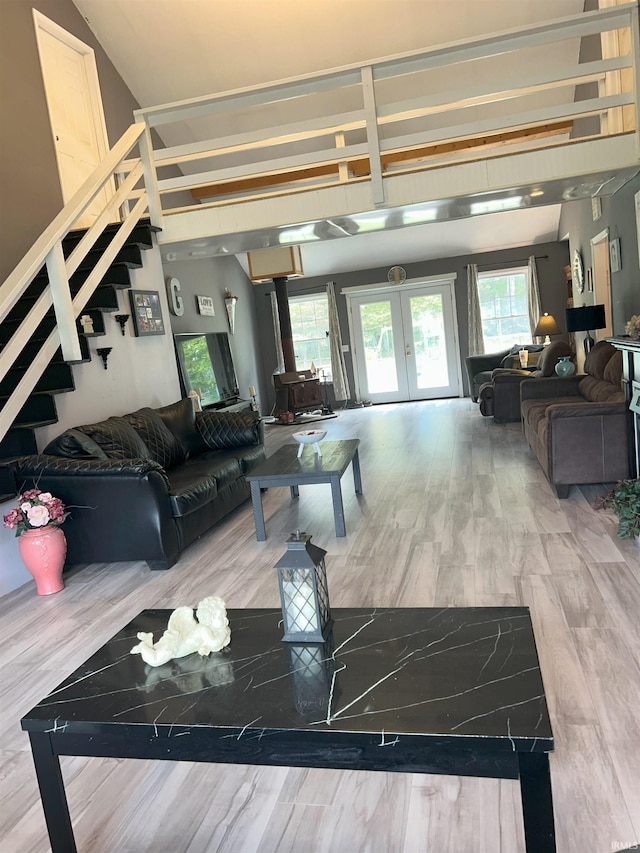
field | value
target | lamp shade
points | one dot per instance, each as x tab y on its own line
546	326
586	318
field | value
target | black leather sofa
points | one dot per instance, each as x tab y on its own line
146	485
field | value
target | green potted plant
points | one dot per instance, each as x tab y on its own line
624	500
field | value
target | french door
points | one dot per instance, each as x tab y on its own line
405	342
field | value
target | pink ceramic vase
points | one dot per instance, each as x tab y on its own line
43	552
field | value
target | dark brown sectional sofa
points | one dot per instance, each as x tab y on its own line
500	396
577	426
146	485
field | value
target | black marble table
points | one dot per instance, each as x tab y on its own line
419	690
284	468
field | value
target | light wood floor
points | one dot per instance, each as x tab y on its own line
455	511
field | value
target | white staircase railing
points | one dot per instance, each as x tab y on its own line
359	124
47	252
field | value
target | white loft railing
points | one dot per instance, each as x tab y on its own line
359	124
422	110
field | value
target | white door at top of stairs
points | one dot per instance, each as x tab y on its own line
75	110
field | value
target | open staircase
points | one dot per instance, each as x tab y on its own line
57	378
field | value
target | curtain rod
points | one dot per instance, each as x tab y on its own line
510	263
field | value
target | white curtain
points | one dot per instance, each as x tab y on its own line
275	316
476	338
338	371
533	296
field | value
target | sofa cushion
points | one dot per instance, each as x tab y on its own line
189	490
74	444
180	417
598	358
164	447
198	481
249	457
117	439
534	412
599	391
223	466
220	432
613	370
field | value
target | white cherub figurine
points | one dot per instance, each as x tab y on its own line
207	632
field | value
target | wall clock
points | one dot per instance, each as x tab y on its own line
578	270
396	275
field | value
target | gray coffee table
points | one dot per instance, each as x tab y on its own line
285	469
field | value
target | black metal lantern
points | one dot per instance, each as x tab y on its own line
304	595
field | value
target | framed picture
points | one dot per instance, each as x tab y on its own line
146	312
614	255
205	306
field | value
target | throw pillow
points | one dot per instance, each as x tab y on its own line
181	420
117	439
164	447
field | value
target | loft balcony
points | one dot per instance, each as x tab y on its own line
439	134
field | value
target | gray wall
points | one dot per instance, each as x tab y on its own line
553	292
210	277
29	184
618	216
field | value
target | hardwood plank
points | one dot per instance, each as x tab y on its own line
455	511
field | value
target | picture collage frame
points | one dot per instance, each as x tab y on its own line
146	312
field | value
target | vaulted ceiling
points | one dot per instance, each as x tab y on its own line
168	50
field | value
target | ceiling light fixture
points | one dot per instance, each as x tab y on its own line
494	205
415	217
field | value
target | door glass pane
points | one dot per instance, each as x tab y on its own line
380	362
427	323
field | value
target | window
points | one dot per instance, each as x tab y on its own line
503	308
310	331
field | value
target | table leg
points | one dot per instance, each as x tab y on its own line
258	515
338	509
357	479
537	802
52	794
295	490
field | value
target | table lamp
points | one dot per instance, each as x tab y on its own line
546	326
585	319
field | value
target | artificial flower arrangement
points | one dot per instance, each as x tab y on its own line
35	509
632	327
